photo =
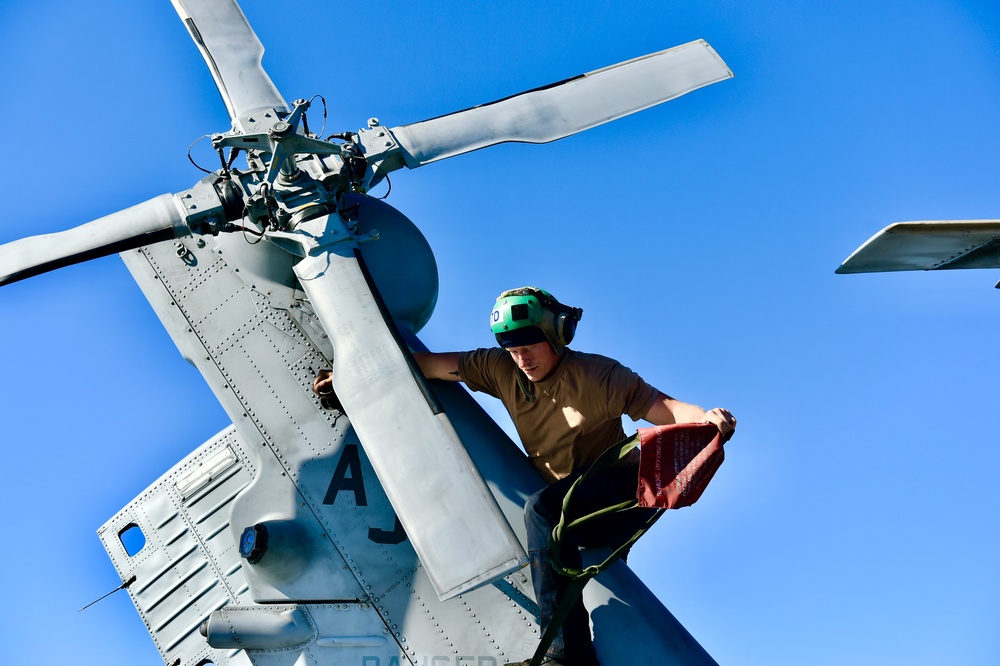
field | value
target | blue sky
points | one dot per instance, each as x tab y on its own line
854	520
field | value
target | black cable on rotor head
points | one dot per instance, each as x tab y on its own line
191	159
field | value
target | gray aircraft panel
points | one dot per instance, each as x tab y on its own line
180	576
296	464
256	359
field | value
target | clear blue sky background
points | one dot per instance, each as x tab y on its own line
855	520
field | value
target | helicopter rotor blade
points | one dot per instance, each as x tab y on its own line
443	504
149	222
928	245
233	53
565	108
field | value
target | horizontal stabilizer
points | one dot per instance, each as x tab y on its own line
925	246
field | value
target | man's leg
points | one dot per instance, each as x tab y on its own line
572	644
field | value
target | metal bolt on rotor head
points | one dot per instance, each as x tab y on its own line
280	128
373	123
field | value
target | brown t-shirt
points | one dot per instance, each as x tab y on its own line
577	412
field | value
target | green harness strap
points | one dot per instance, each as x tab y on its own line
580	577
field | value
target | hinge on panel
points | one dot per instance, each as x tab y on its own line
302	313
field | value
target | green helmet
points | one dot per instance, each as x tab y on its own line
530	315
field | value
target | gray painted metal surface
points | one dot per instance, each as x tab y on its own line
442	502
555	112
356	592
925	246
233	54
139	225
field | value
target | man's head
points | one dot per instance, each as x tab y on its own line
536	361
531	316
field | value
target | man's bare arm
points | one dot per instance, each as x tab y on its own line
666	411
434	366
438	365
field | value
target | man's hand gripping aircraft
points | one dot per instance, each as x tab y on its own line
383	528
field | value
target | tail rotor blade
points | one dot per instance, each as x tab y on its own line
233	53
149	222
445	507
565	108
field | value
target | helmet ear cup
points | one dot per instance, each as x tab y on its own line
565	326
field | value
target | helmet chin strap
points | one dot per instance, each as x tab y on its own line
526	385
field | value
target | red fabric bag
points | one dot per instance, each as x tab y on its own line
676	462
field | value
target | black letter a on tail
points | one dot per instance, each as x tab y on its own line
349	461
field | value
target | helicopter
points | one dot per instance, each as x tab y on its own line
249	271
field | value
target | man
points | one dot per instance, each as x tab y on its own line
567	408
